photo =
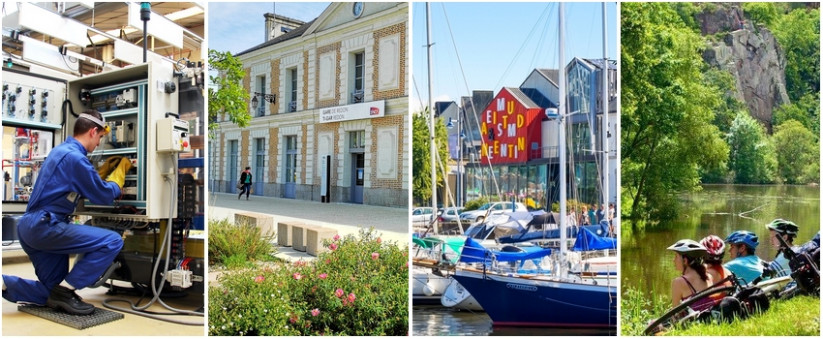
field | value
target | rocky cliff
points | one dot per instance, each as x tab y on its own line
751	54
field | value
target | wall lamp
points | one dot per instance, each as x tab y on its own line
266	97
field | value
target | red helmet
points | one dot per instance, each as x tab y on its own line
715	247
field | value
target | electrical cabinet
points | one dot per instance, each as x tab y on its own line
32	123
133	101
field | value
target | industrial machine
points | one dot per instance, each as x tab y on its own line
155	212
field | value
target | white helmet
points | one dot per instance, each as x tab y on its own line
689	248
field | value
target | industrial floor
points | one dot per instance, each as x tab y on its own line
15	323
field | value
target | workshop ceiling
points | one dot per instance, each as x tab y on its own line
112	18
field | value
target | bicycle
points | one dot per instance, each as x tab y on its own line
740	301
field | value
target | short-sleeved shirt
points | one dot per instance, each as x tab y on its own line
747	268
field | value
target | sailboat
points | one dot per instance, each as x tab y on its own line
560	299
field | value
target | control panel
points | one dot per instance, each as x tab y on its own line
173	135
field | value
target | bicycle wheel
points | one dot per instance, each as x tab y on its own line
677	309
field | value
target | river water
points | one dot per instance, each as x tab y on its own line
442	321
647	265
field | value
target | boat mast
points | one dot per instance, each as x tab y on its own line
432	149
604	75
561	107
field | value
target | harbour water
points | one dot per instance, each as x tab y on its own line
443	321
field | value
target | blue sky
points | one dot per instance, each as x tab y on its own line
488	37
237	26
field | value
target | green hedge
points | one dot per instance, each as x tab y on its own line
360	287
238	246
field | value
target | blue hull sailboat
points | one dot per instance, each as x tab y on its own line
561	298
517	301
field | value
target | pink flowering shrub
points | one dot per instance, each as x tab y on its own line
360	288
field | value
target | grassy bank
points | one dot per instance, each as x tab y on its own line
799	316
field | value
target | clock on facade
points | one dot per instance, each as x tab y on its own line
357	9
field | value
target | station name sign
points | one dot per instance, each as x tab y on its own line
366	110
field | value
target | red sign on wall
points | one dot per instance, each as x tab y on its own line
510	130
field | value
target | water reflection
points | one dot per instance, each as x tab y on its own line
442	321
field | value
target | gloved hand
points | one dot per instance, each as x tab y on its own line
106	167
118	175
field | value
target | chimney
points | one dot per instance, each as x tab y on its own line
277	25
269	26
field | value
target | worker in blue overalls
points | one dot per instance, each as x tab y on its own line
46	232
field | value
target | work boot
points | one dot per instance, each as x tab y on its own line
66	299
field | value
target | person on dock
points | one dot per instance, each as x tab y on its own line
592	217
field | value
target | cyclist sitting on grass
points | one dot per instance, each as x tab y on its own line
688	259
744	264
787	230
715	250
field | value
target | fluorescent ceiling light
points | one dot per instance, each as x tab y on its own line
44	21
127	52
47	54
186	13
87	4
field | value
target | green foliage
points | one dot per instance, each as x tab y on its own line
572	204
667	110
729	105
798	153
303	298
798	33
236	245
764	13
475	203
421	162
229	97
752	157
636	311
687	12
806	111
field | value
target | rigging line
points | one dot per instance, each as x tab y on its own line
465	81
522	47
542	38
446	181
416	89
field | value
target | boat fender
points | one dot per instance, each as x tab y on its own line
428	290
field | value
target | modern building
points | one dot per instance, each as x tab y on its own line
329	101
519	153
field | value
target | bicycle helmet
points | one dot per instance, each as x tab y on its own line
783	227
715	247
689	248
744	237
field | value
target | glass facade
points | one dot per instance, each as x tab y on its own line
536	185
580	88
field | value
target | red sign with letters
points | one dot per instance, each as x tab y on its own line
510	130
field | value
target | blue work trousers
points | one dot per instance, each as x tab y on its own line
48	242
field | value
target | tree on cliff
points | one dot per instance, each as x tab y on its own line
667	111
798	33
